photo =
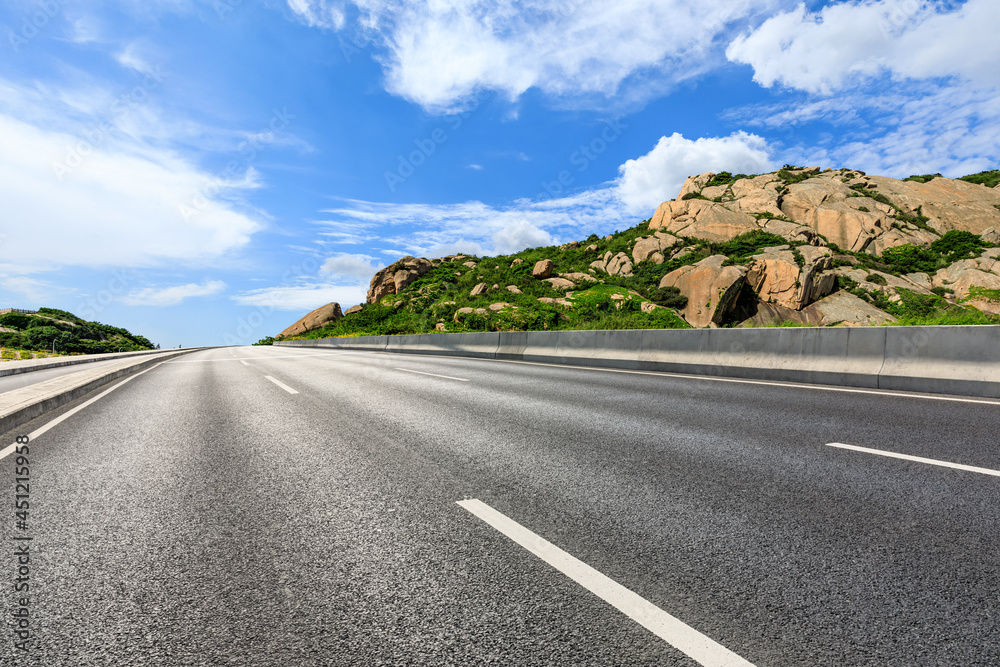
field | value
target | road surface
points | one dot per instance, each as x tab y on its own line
202	513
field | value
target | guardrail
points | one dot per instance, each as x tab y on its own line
961	360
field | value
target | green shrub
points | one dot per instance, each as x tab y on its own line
988	178
909	258
956	245
924	178
876	279
669	297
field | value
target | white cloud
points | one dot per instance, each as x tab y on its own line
171	296
824	51
647	181
319	13
98	198
305	297
356	266
474	227
440	53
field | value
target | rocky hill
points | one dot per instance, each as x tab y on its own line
800	246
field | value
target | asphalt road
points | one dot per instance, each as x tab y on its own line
201	514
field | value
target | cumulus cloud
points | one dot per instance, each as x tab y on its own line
431	230
171	296
439	53
129	203
658	175
824	51
304	297
355	266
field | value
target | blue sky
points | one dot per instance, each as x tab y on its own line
204	172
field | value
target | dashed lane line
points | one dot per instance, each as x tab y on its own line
435	375
918	459
281	384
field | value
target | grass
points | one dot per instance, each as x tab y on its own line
923	178
988	178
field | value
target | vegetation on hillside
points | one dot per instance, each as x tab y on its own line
466	293
38	331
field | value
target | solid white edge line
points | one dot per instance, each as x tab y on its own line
918	459
446	377
63	417
683	637
281	384
705	378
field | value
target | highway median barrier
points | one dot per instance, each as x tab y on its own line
962	360
21	405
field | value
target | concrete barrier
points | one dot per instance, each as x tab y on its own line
953	360
483	345
28	365
948	360
22	405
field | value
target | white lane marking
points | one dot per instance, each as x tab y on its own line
281	384
244	362
446	377
918	459
63	417
706	378
683	637
284	356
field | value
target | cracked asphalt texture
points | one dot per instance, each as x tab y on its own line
200	515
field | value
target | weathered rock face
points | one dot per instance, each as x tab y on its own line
314	320
394	278
354	309
656	244
833	205
847	310
543	269
710	287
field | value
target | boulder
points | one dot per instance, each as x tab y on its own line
314	320
991	234
710	287
646	247
774	276
481	288
499	305
560	301
619	265
516	262
578	276
560	283
513	289
354	309
469	264
694	184
543	269
394	278
461	312
846	309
